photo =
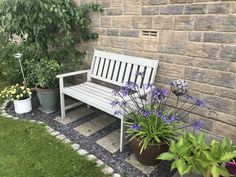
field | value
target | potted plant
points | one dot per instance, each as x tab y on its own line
150	125
43	76
21	97
191	153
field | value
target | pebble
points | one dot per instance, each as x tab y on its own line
55	133
82	152
91	157
108	170
75	146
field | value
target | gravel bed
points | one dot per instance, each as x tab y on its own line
116	160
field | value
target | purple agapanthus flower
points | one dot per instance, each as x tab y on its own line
114	103
117	113
135	127
191	98
122	103
200	103
159	95
172	118
197	125
138	73
145	113
147	86
114	93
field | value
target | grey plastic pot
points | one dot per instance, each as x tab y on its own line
49	99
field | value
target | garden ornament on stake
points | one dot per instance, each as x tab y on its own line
18	56
179	87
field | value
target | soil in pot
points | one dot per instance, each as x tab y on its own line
149	155
49	99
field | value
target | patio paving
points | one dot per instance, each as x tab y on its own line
94	125
74	115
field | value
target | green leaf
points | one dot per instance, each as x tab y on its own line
208	155
181	166
166	156
227	156
215	171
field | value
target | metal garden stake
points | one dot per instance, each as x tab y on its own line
18	56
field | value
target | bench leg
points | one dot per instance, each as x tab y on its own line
122	134
63	112
88	106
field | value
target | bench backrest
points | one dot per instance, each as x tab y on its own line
119	69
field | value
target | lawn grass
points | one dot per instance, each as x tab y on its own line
27	150
3	84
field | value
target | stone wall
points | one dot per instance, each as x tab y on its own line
192	39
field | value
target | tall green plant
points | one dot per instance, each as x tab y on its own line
54	23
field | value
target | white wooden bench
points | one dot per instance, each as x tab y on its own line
111	68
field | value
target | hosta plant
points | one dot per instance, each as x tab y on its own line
192	153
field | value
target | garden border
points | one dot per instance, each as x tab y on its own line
91	157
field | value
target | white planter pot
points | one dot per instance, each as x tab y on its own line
23	106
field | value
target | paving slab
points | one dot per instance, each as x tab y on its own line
94	125
147	170
111	142
74	115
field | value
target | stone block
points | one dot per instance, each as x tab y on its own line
82	152
119	42
158	2
129	33
218	8
113	32
202	88
225	129
225	23
108	170
116	3
205	23
233	7
75	146
122	22
219	38
74	115
55	133
142	22
91	157
104	41
171	70
180	1
95	19
217	103
99	162
132	7
106	22
183	23
147	170
233	110
150	10
196	74
225	79
172	10
202	50
226	93
172	37
94	125
195	9
195	36
67	140
104	3
228	53
179	48
162	22
100	31
183	60
116	175
113	11
230	119
212	64
232	67
143	44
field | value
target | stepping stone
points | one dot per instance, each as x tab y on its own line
74	115
147	170
94	125
111	142
82	152
108	170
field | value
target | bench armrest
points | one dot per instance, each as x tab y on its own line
72	73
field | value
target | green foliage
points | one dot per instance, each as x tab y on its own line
43	73
191	152
152	130
47	29
54	23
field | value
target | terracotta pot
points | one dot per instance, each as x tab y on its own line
149	155
231	167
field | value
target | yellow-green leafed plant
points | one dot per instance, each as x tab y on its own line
191	153
16	92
